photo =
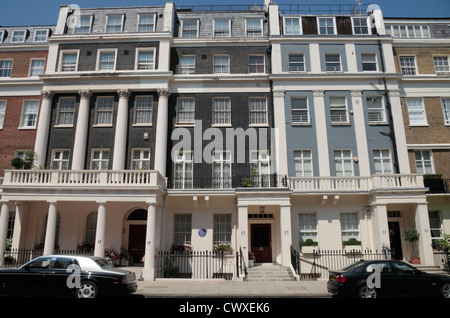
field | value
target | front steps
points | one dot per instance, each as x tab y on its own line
269	272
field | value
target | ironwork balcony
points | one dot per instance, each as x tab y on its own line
436	186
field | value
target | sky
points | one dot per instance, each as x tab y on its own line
45	12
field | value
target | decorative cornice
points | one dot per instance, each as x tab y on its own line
123	92
278	93
85	93
47	94
163	92
318	93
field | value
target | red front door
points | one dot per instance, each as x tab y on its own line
136	242
261	243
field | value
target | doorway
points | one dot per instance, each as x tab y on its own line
395	240
136	241
261	239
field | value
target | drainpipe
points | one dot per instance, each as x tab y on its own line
391	133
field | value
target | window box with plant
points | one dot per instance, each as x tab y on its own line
181	248
223	248
352	245
308	246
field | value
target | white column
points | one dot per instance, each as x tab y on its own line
4	217
280	126
18	225
243	235
50	234
100	230
79	146
161	131
423	227
380	227
360	132
150	244
40	145
321	133
286	235
120	140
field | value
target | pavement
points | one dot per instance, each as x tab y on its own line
220	288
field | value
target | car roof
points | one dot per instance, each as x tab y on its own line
86	262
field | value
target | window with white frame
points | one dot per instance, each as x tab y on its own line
6	68
222	229
436	229
185	111
418	31
222	111
258	111
333	62
303	163
382	160
292	26
140	159
349	226
369	61
143	110
40	35
2	112
343	163
256	64
296	62
100	159
221	64
2	35
106	60
221	169
91	227
376	112
18	36
326	25
441	64
30	111
360	26
222	28
299	110
114	23
182	231
183	170
307	225
189	28
408	65
83	24
60	159
104	111
146	22
260	168
416	111
37	67
187	65
69	61
338	110
253	28
446	110
66	110
145	59
424	161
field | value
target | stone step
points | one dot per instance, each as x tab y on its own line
269	272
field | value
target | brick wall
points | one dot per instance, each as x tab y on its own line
12	138
21	64
424	57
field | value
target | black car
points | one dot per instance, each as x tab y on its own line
59	275
384	278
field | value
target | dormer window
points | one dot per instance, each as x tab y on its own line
254	28
292	26
114	23
83	25
360	26
18	36
40	35
146	23
326	26
2	35
222	28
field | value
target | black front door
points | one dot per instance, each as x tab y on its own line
395	240
261	243
136	242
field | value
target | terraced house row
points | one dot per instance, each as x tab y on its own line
264	127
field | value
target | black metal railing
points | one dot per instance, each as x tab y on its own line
18	257
437	185
247	181
318	264
198	265
295	260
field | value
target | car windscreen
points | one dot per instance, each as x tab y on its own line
103	263
352	267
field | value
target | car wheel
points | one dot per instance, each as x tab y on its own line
445	290
367	292
87	290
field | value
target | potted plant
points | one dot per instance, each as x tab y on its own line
181	248
352	245
251	259
308	246
223	248
412	236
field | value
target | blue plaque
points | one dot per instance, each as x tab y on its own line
202	232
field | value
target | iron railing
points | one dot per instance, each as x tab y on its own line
437	185
18	257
